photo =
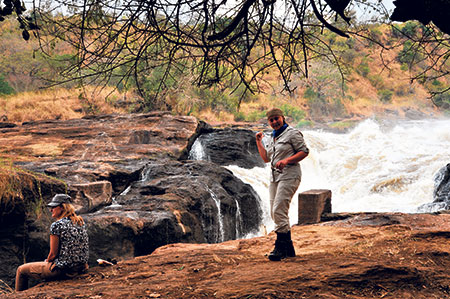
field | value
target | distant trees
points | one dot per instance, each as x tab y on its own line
214	41
210	41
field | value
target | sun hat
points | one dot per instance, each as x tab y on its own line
274	112
59	199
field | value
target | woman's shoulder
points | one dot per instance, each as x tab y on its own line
290	133
61	222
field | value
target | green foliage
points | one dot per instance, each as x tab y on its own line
442	100
310	93
363	68
410	28
404	67
5	88
251	117
304	123
408	54
385	95
216	100
376	81
295	113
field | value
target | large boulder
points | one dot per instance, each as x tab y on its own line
441	193
227	147
174	201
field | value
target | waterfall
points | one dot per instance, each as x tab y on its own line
238	221
373	168
219	214
197	152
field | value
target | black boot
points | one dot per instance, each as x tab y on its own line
279	252
289	247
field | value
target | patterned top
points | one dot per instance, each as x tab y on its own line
285	145
73	243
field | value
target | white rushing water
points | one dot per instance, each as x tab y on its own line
372	168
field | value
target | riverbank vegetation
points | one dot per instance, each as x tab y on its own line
373	79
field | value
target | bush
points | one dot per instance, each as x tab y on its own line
408	54
410	29
376	81
442	100
5	88
363	69
295	113
385	95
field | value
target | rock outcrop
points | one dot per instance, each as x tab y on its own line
193	202
374	255
227	147
123	174
441	192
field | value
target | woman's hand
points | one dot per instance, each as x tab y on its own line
261	150
281	164
259	136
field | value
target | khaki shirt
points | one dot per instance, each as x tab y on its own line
284	146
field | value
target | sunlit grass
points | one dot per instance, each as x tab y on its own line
59	104
15	181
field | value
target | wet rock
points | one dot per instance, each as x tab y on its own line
441	193
228	147
194	202
91	196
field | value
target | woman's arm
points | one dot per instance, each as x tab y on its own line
291	160
262	151
54	248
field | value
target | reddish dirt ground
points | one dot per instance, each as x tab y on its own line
407	256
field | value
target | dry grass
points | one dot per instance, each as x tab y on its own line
5	288
11	185
14	181
59	104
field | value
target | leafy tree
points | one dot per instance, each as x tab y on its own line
5	88
215	39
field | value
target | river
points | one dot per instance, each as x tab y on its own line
373	168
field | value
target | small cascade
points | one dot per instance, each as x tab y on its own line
114	203
220	237
197	152
144	174
238	221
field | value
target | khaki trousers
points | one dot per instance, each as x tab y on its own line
281	194
36	270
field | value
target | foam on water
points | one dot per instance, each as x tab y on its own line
373	168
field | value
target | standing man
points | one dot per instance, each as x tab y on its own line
284	151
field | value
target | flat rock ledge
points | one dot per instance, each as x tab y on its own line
396	256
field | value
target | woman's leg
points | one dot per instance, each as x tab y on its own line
281	202
37	270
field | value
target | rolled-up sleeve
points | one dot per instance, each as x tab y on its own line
298	143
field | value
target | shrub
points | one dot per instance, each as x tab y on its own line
376	81
363	68
442	100
410	28
5	88
408	54
295	113
385	95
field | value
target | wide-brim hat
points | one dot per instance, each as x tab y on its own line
59	199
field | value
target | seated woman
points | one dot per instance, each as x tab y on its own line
69	246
